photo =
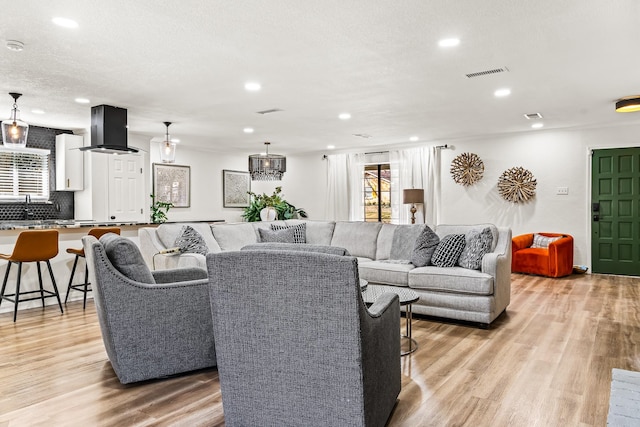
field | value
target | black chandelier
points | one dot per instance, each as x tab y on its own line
267	167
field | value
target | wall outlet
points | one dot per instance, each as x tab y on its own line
562	191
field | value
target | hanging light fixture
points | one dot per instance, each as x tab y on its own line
628	105
167	148
14	130
267	167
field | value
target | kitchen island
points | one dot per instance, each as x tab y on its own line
70	236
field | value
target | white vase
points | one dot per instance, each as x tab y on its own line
268	214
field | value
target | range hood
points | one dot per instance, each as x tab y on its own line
109	130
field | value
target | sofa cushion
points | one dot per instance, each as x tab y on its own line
445	229
448	250
540	241
288	235
168	233
452	280
388	273
300	231
424	247
189	240
476	246
232	237
359	238
126	258
318	232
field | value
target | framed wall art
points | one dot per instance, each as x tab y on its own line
172	183
235	189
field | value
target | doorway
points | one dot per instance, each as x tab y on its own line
615	211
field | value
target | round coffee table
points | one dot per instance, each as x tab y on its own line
407	297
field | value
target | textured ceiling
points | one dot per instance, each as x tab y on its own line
187	62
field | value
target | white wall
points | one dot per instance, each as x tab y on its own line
556	159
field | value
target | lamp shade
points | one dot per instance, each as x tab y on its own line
14	130
628	105
168	148
413	195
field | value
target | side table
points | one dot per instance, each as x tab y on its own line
407	297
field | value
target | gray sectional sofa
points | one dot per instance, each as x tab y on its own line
382	250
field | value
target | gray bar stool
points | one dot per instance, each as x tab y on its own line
79	253
32	246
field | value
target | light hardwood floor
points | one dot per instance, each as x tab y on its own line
546	362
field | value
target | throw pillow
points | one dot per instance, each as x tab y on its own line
300	231
280	236
540	241
424	247
448	250
189	240
478	244
126	258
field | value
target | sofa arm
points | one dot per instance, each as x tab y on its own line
179	275
522	241
149	244
561	256
498	265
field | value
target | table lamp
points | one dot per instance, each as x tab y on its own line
413	196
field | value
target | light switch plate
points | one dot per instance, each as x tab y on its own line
562	191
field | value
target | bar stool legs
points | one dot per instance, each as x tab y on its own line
43	293
82	287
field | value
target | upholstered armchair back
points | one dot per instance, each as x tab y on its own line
545	254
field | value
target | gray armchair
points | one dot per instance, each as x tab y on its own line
153	325
295	343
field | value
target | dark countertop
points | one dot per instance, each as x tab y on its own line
70	223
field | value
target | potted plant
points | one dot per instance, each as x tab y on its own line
271	207
159	210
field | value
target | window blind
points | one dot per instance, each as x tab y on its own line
22	172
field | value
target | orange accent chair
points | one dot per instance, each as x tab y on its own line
555	260
31	246
79	253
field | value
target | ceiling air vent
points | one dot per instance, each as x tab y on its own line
533	116
362	135
273	110
487	72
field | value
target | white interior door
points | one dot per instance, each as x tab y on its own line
126	201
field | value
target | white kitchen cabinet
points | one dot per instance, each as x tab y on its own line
69	163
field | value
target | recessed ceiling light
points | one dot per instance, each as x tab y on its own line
247	130
449	42
82	100
344	116
37	111
413	138
15	45
331	147
537	125
252	86
500	93
64	22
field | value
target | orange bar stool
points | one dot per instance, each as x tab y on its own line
32	246
79	253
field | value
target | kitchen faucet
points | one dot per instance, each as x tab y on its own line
26	213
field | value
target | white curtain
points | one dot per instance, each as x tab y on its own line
345	188
415	168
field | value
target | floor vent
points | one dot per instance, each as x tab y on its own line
487	72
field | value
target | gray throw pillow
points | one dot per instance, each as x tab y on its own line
424	247
189	240
126	258
478	244
300	231
448	250
280	236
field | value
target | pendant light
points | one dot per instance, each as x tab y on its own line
267	167
14	130
168	148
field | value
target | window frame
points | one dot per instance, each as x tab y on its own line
18	180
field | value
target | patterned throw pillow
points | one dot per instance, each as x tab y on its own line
189	240
448	250
424	247
540	241
477	245
281	236
300	231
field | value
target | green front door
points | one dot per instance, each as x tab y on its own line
615	211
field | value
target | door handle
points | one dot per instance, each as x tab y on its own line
113	217
596	218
